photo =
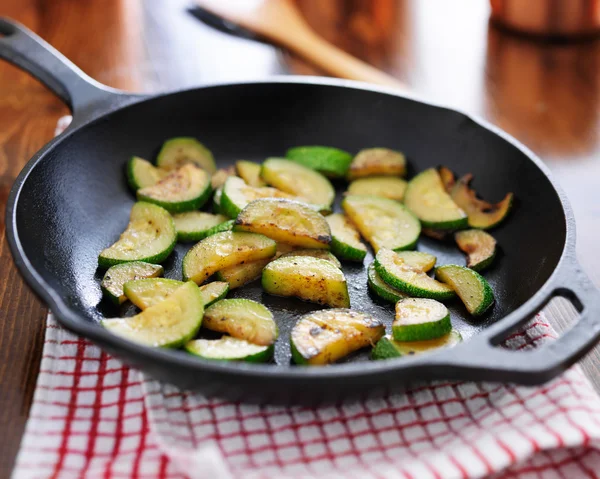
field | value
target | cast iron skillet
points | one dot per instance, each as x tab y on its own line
71	200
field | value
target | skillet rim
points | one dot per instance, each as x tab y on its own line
175	358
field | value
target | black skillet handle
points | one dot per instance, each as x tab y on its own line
85	96
483	361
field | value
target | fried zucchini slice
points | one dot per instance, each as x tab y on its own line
382	222
184	189
447	177
345	240
242	274
223	250
216	206
168	324
315	253
220	228
285	221
417	260
213	292
237	195
323	337
150	237
387	348
196	225
411	281
481	214
331	162
311	279
242	319
116	276
377	162
420	319
298	180
230	349
148	292
389	187
381	288
472	288
145	293
249	172
427	198
176	152
479	246
142	173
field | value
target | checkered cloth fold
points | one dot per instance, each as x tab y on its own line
94	417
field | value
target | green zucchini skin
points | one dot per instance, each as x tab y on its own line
446	215
184	307
106	259
296	179
225	226
193	226
345	239
346	252
384	223
415	326
331	162
388	348
385	349
142	173
116	276
485	264
262	353
381	288
411	284
297	357
479	246
177	151
213	292
467	282
216	206
194	201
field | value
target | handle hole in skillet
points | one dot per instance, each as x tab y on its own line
6	29
558	316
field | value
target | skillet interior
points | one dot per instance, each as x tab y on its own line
76	201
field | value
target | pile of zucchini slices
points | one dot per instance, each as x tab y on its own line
275	222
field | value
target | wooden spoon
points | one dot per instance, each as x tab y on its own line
280	22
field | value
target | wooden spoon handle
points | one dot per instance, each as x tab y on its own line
335	61
280	22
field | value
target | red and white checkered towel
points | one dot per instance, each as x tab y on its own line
93	417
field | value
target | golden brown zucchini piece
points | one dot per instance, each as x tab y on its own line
223	250
482	215
307	278
323	337
377	162
285	221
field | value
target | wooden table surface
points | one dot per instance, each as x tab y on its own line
546	95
